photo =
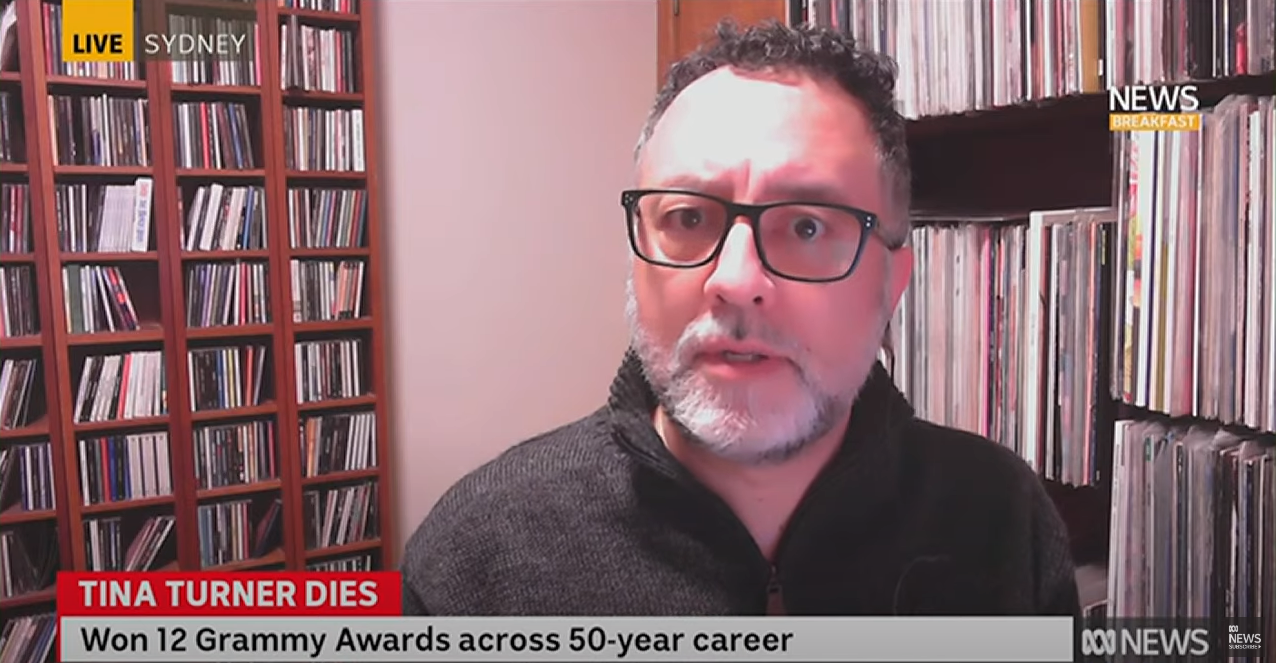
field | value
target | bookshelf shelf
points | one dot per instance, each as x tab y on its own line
241	489
233	413
337	403
337	551
215	90
12	77
219	7
275	557
313	16
96	257
152	335
332	326
127	505
21	342
338	477
1043	115
38	428
16	514
119	424
225	255
220	174
228	331
1130	411
325	175
94	84
32	598
299	97
91	171
334	252
14	168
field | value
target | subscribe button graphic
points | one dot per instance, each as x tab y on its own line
98	30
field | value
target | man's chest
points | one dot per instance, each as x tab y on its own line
668	574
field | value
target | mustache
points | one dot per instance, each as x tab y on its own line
736	326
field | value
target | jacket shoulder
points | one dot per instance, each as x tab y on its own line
525	477
949	454
986	486
510	505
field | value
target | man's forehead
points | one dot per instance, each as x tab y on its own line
766	123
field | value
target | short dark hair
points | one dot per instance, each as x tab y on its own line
816	51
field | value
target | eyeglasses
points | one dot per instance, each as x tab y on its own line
801	241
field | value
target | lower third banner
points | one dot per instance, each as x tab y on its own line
101	639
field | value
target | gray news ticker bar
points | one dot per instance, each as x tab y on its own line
342	639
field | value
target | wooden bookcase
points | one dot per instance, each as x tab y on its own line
158	285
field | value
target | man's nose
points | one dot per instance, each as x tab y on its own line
739	276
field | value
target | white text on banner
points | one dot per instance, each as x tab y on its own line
492	639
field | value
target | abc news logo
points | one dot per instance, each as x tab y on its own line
1238	640
1161	641
1145	642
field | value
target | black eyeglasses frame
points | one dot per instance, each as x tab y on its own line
753	212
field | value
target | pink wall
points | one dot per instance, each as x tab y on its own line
507	130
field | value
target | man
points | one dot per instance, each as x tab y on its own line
753	457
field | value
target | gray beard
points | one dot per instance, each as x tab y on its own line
742	427
828	411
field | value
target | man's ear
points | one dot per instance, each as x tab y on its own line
901	272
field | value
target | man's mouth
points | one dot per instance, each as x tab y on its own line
735	353
743	357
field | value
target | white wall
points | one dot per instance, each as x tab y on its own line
507	129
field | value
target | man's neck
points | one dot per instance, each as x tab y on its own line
763	497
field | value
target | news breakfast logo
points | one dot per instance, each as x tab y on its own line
1102	643
106	31
1154	108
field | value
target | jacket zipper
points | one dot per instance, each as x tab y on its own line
774	590
774	594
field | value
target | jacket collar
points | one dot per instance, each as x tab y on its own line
866	464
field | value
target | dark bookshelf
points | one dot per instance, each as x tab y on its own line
1026	144
1047	154
1050	154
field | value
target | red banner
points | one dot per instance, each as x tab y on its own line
229	594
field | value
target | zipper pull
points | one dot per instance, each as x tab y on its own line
774	594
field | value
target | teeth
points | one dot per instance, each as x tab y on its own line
741	356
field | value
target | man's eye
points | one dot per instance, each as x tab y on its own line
686	218
807	228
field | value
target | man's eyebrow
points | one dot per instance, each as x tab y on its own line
686	181
779	191
815	192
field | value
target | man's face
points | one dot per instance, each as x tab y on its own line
752	365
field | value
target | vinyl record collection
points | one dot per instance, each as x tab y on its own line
998	333
1195	322
1160	310
1192	534
959	56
